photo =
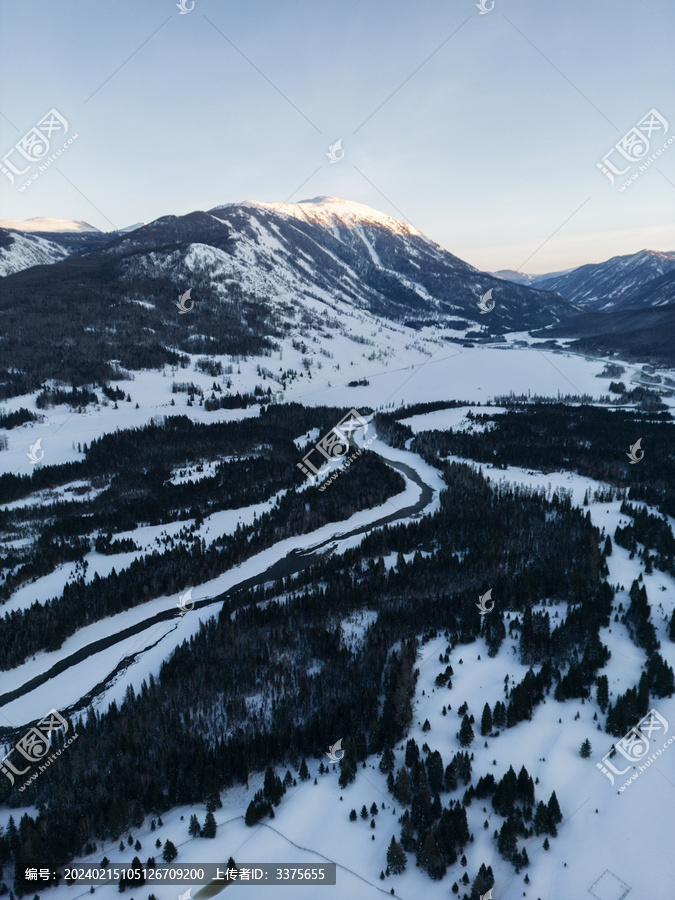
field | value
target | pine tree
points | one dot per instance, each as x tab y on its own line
387	761
169	853
304	771
138	866
364	812
396	858
541	818
602	694
585	749
209	829
507	843
273	789
408	841
412	753
483	881
213	802
506	793
195	829
431	857
525	787
486	721
435	772
554	809
347	769
352	816
466	734
450	778
671	628
402	786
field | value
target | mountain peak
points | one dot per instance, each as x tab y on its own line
329	211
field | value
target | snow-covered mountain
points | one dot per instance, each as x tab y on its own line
622	282
21	251
295	266
130	228
42	224
331	250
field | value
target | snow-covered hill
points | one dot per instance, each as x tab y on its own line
42	223
21	251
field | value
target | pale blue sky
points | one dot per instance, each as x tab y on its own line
488	148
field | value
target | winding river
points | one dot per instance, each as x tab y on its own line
293	562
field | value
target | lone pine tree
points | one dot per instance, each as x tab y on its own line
169	853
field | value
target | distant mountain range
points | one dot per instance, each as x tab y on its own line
623	282
524	278
618	283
